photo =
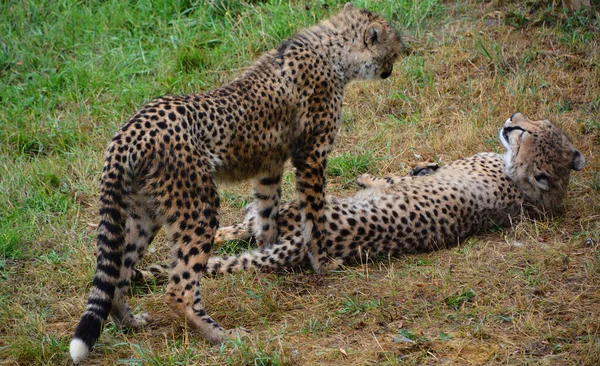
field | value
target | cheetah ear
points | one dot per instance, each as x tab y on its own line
374	34
578	161
349	7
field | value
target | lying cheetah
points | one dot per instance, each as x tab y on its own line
430	209
161	166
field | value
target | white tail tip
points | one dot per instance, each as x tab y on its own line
78	350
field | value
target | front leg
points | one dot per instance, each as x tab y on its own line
310	184
267	194
369	181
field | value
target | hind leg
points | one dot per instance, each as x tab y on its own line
192	220
140	230
159	273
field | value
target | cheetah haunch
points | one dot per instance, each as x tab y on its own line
161	166
427	210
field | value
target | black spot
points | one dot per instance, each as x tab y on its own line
266	212
201	312
269	181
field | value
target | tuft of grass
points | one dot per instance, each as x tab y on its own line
177	354
400	121
59	140
494	53
242	352
457	301
406	336
410	14
314	325
596	181
235	199
30	203
516	19
354	306
233	247
420	72
349	166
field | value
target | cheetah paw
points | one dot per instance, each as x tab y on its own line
233	232
365	180
137	321
330	265
220	237
424	169
237	333
225	234
142	319
333	264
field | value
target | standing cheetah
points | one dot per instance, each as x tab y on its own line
161	166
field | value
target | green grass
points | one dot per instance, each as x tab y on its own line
349	165
72	72
456	301
352	306
35	196
233	247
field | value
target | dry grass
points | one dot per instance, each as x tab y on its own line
536	286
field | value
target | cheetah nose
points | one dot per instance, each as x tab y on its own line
515	115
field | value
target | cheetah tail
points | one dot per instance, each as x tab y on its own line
110	242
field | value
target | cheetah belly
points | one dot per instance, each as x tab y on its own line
401	223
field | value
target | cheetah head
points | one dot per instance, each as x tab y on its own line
375	47
539	159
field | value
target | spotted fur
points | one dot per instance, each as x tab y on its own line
430	209
161	166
